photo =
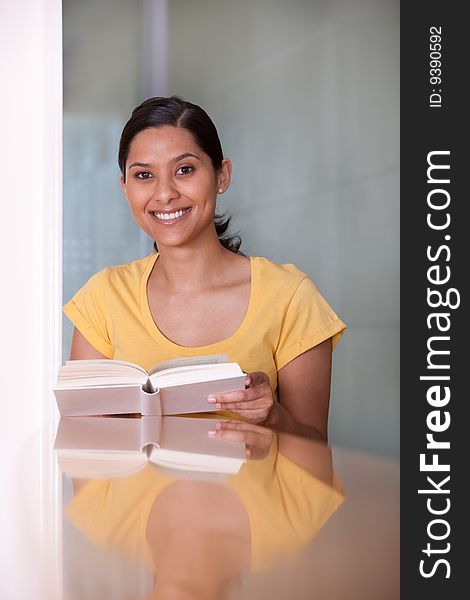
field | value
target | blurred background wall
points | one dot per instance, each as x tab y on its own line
305	95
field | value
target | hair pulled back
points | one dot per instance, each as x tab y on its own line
176	112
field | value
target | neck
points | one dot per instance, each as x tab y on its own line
192	268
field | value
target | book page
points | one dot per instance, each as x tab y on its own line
195	374
102	372
106	363
89	464
175	460
187	361
184	444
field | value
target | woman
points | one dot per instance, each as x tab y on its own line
198	295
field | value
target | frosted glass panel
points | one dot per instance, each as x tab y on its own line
97	225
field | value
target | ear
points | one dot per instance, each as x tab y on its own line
122	183
224	176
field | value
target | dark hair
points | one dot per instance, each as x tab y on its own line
174	111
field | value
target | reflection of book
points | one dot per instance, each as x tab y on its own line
101	387
104	447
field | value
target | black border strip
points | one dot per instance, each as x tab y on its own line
430	124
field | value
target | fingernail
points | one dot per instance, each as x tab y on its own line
211	399
218	405
212	432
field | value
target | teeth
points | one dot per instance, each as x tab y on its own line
169	216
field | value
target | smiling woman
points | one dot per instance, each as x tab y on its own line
198	294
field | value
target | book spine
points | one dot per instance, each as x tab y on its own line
150	430
150	403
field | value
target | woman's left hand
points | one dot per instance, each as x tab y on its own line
254	403
257	439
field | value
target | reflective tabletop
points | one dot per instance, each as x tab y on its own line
181	507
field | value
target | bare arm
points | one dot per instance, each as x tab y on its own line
312	456
304	395
81	348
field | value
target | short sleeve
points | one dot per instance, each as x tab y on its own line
308	321
88	312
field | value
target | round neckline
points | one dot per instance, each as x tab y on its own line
215	347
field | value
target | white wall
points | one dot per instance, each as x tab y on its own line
30	247
305	94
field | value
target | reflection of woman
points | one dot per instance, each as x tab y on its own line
198	536
198	295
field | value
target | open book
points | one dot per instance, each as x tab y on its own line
103	387
106	447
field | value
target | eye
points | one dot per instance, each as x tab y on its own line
143	175
186	170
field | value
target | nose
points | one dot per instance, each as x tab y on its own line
165	190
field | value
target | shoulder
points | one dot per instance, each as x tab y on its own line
115	282
129	271
129	274
305	317
276	277
287	288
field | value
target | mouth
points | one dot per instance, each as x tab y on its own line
169	218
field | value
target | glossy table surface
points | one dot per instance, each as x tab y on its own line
180	507
203	508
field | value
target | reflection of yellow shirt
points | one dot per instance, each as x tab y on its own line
286	506
286	316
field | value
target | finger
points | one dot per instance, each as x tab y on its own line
256	444
258	404
254	416
249	405
236	396
240	426
230	435
258	378
240	396
247	395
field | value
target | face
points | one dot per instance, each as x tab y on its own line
171	186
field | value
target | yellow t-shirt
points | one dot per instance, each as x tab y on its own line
286	316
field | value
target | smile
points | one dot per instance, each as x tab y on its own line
171	217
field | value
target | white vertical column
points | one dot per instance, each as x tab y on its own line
154	48
30	294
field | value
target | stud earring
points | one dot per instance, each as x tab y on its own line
220	190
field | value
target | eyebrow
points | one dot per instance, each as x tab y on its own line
139	164
176	159
185	155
